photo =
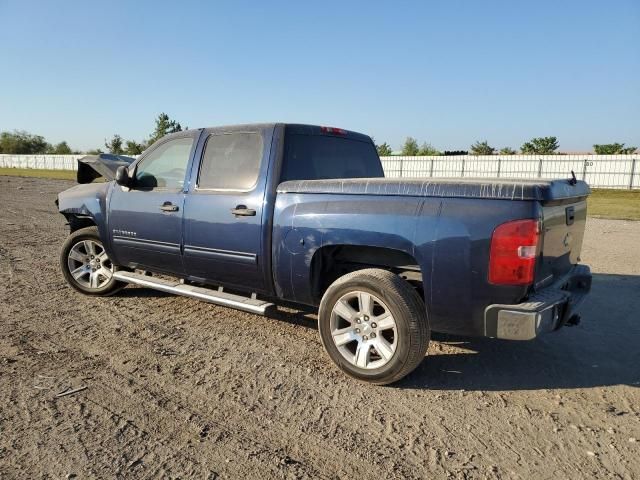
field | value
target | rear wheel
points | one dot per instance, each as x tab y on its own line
374	325
86	265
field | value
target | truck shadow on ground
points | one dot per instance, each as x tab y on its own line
603	350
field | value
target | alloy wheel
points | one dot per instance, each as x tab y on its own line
364	330
89	265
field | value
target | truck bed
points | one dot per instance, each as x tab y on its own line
493	188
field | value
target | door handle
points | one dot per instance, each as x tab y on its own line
570	215
169	207
243	211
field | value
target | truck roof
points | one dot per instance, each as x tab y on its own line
293	128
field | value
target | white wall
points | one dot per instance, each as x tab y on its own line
49	162
600	171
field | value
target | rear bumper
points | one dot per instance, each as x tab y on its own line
544	311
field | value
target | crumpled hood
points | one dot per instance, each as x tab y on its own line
103	165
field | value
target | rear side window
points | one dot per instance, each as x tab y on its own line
231	161
314	157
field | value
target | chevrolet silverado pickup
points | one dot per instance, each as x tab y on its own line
250	216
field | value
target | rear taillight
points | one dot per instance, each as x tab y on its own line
512	258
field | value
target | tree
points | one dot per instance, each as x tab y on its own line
482	148
410	147
21	142
164	126
133	148
428	149
114	145
612	149
95	151
540	146
384	150
61	148
507	151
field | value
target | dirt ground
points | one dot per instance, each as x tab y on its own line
178	388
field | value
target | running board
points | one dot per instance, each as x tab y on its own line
218	297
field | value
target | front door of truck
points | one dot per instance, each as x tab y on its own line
223	224
145	221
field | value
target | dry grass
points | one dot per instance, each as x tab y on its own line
32	172
622	204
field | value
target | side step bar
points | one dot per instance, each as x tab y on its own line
225	299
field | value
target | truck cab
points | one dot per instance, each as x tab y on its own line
200	203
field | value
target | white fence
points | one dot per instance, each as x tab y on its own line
600	171
48	162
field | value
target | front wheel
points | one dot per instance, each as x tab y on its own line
374	325
85	264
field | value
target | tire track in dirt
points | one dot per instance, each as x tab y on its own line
170	409
389	432
175	399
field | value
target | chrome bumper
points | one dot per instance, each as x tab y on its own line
544	311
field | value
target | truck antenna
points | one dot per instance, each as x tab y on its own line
573	180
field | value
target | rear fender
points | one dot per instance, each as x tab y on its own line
302	229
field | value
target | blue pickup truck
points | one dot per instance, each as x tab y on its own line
250	216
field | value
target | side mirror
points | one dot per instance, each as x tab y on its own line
122	176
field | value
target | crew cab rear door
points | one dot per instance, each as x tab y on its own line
224	215
145	221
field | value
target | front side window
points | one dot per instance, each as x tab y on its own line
165	167
231	161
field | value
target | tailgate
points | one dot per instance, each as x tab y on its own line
563	226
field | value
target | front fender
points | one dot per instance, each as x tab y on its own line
87	201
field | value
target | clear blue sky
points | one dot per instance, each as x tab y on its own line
448	72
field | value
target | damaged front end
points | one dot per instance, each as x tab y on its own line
85	205
102	165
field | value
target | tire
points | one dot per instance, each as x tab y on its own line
83	259
392	348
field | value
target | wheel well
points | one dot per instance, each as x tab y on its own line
331	262
76	222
